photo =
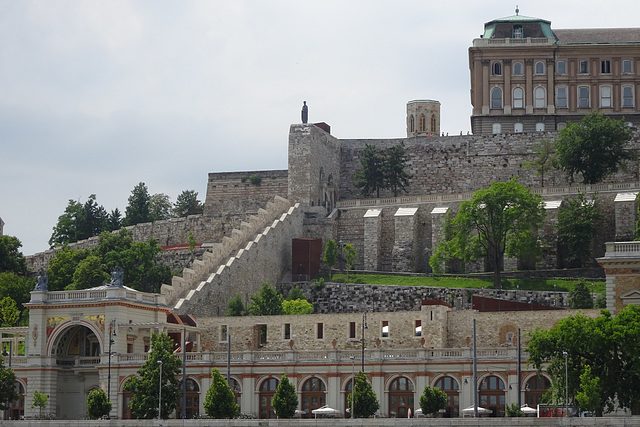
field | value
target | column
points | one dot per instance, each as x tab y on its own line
403	258
528	90
551	90
506	75
372	233
485	86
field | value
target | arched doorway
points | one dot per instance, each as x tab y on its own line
314	395
192	400
126	401
492	395
401	397
15	410
348	388
237	391
535	388
450	386
267	390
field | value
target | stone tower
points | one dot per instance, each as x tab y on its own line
423	118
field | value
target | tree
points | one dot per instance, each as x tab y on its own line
220	402
370	179
66	229
40	400
187	203
159	207
98	404
114	220
593	148
63	266
297	306
330	254
285	399
590	391
364	398
513	410
432	400
89	273
138	210
11	259
18	288
8	391
93	219
543	158
9	312
396	178
266	302
295	293
349	256
501	219
79	222
580	297
607	344
577	226
145	386
236	307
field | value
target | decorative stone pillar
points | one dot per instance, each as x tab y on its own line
438	215
403	258
549	235
372	233
625	211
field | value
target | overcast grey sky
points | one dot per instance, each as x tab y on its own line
96	96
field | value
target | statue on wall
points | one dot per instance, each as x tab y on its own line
117	276
305	112
42	281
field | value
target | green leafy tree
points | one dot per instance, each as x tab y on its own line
18	288
607	344
513	410
9	312
93	219
89	273
330	254
160	207
98	404
285	399
79	221
543	158
8	391
432	400
370	179
114	220
502	219
396	178
66	229
350	256
594	148
590	391
601	301
40	400
255	179
297	306
295	293
580	297
220	402
11	259
267	302
145	386
236	307
192	241
63	267
187	203
364	398
139	208
578	223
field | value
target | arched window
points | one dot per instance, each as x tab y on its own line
15	410
496	128
535	388
518	127
314	395
433	123
237	391
450	386
267	390
400	397
496	98
539	67
423	123
192	407
540	97
492	395
496	69
347	396
517	68
412	124
518	97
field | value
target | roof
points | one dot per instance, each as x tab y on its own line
598	36
503	27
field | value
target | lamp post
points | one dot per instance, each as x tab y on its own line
364	326
566	381
112	333
160	392
353	385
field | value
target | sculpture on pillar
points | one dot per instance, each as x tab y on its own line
305	112
42	281
117	277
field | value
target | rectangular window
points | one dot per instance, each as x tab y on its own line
352	329
262	334
583	97
583	67
561	67
320	331
627	67
147	344
223	333
287	331
129	347
385	329
418	328
605	66
561	97
627	96
605	96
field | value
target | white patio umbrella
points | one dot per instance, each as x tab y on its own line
325	410
528	410
469	412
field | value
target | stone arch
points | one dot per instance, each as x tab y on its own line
64	328
313	394
401	393
392	378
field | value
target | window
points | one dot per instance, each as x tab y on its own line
223	333
539	127
518	98
320	331
385	329
287	331
627	67
262	334
267	390
450	386
129	347
583	67
583	97
496	98
517	32
496	128
401	397
517	69
492	395
352	329
314	396
561	67
423	123
433	123
539	67
627	96
418	328
540	98
517	127
605	66
412	124
192	400
561	97
605	96
496	69
147	344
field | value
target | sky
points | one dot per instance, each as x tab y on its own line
97	96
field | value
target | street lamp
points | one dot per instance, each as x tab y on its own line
112	333
566	381
353	385
160	392
364	326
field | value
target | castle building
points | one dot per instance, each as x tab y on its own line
423	118
528	77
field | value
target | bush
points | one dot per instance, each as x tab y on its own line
98	404
255	179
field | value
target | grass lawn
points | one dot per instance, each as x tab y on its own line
562	285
